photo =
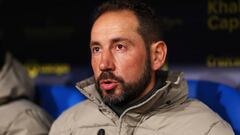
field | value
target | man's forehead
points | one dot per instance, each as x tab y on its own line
115	25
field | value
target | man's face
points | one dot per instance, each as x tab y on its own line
120	62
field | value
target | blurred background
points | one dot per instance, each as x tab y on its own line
51	38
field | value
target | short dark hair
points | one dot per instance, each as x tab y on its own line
149	24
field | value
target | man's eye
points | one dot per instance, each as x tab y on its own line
95	49
120	47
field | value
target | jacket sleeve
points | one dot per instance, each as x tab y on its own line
30	122
221	128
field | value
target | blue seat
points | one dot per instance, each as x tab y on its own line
221	98
57	98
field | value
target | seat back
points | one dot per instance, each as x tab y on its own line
57	98
222	99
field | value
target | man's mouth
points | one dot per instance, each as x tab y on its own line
108	84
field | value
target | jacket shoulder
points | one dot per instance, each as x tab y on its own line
24	117
207	118
190	117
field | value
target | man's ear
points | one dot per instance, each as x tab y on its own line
158	52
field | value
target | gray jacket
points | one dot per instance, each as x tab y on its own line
168	111
18	115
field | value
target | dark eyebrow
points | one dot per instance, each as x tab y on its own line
94	43
115	40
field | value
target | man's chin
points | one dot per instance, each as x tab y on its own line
112	99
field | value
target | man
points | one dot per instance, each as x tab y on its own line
128	94
18	114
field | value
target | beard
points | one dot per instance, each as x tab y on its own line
129	90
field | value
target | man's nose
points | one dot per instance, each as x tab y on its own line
107	61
